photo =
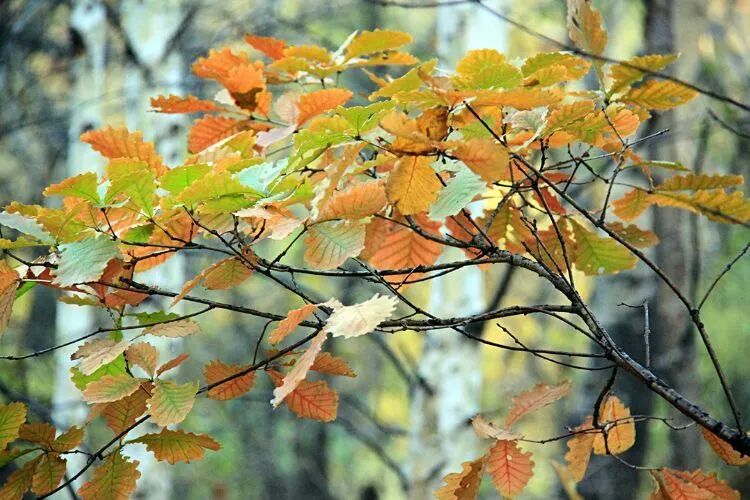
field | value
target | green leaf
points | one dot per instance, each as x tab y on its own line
82	186
116	367
486	69
596	255
365	118
84	261
12	417
134	179
178	178
458	192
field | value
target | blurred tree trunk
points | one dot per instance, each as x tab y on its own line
441	436
155	66
88	31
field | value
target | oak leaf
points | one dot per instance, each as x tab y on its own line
114	479
177	446
170	402
216	371
311	400
509	468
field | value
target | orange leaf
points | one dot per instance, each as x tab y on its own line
288	324
119	142
177	446
711	483
40	433
620	433
172	363
121	414
535	398
114	479
356	202
177	104
413	185
320	101
679	487
272	47
463	485
209	130
486	158
724	449
110	388
299	372
403	247
509	468
48	473
332	365
217	370
313	400
579	450
8	284
632	204
226	274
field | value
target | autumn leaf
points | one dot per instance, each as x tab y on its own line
119	142
172	363
463	485
144	355
620	428
535	398
114	479
413	185
177	446
176	104
209	130
509	468
659	95
20	480
356	202
360	319
272	47
173	329
488	430
288	324
329	244
724	449
12	416
216	371
311	400
110	388
8	284
170	402
83	186
709	482
585	26
486	69
332	365
624	74
371	42
675	485
226	274
96	353
632	204
300	369
486	158
402	247
314	103
120	415
48	473
68	440
599	254
580	446
84	261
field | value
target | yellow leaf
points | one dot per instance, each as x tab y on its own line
632	204
371	42
413	185
585	27
659	94
486	69
463	485
623	75
579	450
620	428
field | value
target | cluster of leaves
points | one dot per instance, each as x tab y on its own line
277	152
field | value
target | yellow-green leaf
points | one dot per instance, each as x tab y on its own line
170	402
177	446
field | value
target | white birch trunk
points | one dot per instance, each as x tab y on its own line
88	20
158	68
441	437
